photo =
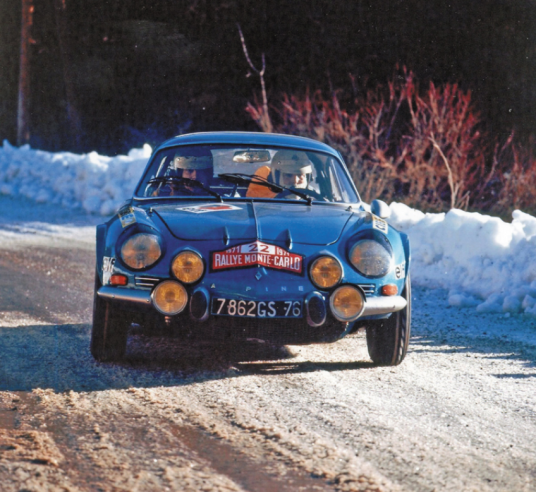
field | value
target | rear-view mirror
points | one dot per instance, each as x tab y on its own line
251	156
380	209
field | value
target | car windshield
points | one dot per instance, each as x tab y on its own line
238	172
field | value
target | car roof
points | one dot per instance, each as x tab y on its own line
254	138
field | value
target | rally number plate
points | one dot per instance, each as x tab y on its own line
256	309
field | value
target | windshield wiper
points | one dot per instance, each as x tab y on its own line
186	181
247	178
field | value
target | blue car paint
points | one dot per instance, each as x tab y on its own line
274	284
311	231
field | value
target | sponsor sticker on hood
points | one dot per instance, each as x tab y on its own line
126	216
379	224
257	253
201	209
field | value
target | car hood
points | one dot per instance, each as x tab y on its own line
231	221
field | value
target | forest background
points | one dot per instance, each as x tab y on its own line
430	102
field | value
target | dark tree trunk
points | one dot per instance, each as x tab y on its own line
66	61
23	110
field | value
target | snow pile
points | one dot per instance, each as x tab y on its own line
96	183
482	260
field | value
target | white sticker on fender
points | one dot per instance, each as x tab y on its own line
202	209
400	270
107	269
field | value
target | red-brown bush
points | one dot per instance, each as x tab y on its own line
426	148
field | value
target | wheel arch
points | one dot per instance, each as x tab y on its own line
407	250
100	246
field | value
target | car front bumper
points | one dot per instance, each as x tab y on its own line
141	300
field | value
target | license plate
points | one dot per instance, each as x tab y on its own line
256	309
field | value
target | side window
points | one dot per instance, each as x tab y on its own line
315	178
163	167
342	188
335	184
159	168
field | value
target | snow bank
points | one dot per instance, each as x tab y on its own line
482	260
93	182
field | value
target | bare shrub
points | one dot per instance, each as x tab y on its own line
362	136
425	149
515	178
446	154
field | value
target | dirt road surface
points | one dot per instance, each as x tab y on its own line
458	414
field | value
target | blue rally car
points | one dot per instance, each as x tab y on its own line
235	235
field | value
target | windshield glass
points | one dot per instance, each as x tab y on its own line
246	172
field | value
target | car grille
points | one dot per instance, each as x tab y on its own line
146	282
368	288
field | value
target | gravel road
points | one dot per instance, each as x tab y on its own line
458	414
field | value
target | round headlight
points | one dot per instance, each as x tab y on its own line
169	297
141	251
188	267
370	258
326	272
347	303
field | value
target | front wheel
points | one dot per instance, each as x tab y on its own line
110	329
388	339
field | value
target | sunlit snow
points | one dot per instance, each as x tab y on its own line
484	262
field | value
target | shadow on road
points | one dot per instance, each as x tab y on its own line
489	348
57	357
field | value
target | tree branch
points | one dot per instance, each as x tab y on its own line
453	189
264	120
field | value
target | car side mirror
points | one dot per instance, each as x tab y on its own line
380	208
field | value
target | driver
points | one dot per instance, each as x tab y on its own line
189	163
194	163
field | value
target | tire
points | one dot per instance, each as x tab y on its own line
388	339
110	329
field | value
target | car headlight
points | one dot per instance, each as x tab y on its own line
325	272
169	297
347	303
371	258
141	251
188	267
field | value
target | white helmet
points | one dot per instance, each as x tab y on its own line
291	162
193	159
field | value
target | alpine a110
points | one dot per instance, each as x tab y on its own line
237	236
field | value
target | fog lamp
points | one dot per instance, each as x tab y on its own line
188	267
326	272
347	303
169	297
